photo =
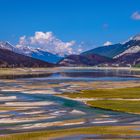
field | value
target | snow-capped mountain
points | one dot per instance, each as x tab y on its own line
39	54
122	54
136	38
130	56
107	51
6	45
132	46
9	58
132	50
46	56
128	59
32	52
117	50
127	53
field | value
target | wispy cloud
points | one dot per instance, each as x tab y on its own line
107	43
136	15
48	42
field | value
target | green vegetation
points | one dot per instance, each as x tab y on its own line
125	93
7	108
123	106
113	99
137	66
101	130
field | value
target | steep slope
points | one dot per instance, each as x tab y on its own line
125	54
130	59
84	60
132	46
39	54
132	50
114	51
32	52
6	45
131	56
46	56
107	51
12	59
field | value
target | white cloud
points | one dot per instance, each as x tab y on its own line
136	15
48	42
107	43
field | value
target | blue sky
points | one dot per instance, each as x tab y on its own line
90	21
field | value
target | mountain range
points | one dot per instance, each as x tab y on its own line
36	53
121	54
12	59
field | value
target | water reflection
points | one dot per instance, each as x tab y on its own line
76	73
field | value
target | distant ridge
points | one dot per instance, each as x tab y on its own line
121	54
84	60
36	53
114	51
11	59
107	51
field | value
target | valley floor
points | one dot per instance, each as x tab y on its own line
124	100
100	132
103	97
25	108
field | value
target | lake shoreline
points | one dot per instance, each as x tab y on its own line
30	98
12	73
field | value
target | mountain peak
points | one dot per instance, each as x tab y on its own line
136	38
6	45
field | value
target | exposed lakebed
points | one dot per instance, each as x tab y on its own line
30	103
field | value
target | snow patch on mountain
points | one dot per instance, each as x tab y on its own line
136	38
6	45
134	49
37	53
